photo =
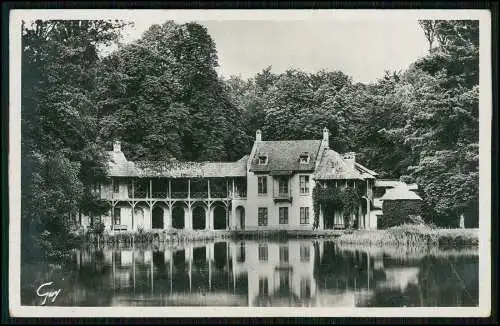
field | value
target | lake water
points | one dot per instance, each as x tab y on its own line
306	273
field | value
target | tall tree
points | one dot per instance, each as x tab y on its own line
61	158
163	97
429	28
442	123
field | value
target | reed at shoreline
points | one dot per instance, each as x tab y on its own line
161	236
412	235
404	235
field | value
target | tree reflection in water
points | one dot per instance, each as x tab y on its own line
264	273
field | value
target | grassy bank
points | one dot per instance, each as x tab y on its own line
162	236
413	235
406	253
128	237
285	234
404	235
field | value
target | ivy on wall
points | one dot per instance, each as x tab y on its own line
397	212
330	198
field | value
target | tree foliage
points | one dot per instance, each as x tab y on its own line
62	156
162	97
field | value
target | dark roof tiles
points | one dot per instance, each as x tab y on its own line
333	167
120	167
400	192
284	155
192	169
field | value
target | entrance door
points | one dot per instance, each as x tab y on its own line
219	218
240	211
157	221
199	218
178	217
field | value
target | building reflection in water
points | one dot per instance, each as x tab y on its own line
245	273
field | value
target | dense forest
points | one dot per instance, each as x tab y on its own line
162	97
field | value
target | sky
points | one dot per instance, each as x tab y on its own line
362	49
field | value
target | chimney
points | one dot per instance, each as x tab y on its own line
326	137
258	135
349	157
117	147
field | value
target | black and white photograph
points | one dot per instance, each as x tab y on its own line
197	163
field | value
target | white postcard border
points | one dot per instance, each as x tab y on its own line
14	159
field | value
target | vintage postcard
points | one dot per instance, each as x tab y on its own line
232	163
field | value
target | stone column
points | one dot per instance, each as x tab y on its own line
368	226
132	205
207	218
361	220
170	217
210	218
321	219
165	217
188	220
150	188
233	217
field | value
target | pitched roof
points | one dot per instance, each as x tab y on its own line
400	193
120	167
191	169
369	173
333	167
284	155
413	186
381	183
388	183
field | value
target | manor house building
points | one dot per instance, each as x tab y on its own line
269	189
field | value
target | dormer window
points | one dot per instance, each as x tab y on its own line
262	159
304	158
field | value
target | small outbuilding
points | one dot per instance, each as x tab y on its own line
398	205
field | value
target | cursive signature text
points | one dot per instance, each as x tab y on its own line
47	293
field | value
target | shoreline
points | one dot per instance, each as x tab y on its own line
404	235
182	236
413	236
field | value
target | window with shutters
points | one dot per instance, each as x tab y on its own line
263	252
304	184
262	185
262	216
304	215
284	254
283	215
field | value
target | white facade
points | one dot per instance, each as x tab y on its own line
273	202
283	205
